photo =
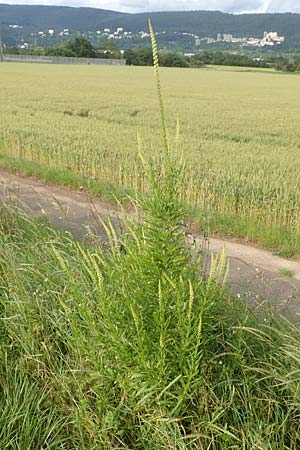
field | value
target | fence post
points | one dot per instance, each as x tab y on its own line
1	47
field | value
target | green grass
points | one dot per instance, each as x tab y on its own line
64	177
285	272
238	133
29	418
280	240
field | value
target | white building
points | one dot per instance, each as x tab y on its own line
227	37
272	38
210	40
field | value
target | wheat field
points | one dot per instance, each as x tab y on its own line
239	137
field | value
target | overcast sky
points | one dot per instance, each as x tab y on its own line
233	6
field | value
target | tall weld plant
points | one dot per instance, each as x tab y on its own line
146	326
172	314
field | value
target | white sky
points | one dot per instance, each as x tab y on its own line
234	6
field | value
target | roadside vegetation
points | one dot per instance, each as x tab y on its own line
136	346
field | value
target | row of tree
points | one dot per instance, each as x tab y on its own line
288	63
83	48
143	57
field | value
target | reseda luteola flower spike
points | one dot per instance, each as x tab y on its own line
159	94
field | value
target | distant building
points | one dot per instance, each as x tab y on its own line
269	39
253	41
227	37
238	40
272	38
144	35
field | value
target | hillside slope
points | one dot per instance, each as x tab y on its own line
202	22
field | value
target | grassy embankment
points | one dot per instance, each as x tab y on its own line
239	129
133	348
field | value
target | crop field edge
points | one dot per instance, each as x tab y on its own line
279	242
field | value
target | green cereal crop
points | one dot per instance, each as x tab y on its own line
239	132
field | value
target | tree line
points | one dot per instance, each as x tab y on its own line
82	48
290	63
143	57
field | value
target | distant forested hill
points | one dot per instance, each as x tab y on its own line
203	23
35	18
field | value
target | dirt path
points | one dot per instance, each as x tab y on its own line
253	275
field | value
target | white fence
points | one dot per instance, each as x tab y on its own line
63	60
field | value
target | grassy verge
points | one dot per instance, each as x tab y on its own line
280	240
63	177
